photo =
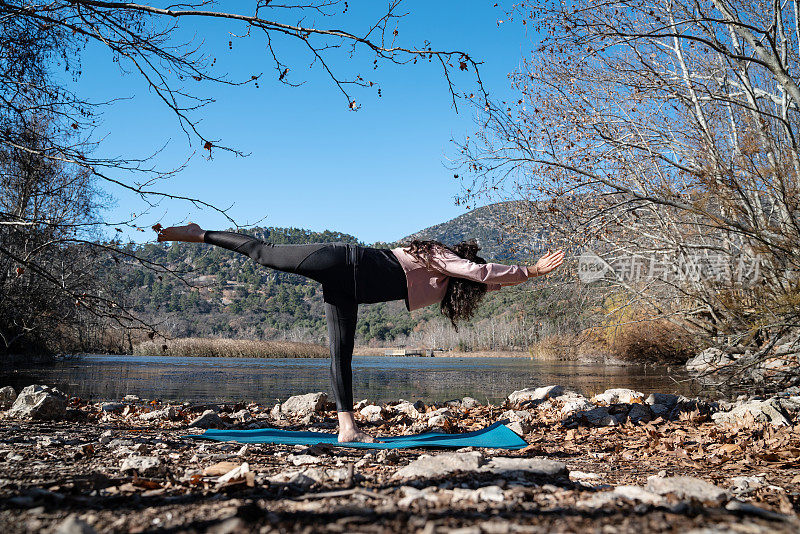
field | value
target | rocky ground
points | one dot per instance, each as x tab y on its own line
620	462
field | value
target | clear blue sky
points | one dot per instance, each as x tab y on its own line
379	173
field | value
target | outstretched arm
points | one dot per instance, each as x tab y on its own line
546	264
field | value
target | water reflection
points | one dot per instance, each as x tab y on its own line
376	378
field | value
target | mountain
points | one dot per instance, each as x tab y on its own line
493	228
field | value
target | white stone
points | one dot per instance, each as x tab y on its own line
304	459
686	488
708	360
540	393
488	494
169	413
242	415
742	485
234	474
531	466
580	475
439	465
305	404
408	409
769	410
437	420
577	405
208	419
469	402
143	465
618	395
39	402
372	413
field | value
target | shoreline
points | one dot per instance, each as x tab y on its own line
127	466
380	351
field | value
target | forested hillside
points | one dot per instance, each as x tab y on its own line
220	293
487	225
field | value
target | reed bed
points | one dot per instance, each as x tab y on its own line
230	348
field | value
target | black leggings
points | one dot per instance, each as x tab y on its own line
349	274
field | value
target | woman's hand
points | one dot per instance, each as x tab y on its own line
547	263
191	233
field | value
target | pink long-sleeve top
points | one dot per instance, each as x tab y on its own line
427	286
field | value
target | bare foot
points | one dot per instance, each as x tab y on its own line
355	435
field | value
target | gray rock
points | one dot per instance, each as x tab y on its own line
112	406
73	525
539	467
596	416
372	413
640	413
440	465
519	420
517	415
143	465
743	485
7	397
709	360
469	402
408	409
517	428
131	398
39	402
541	393
618	395
169	413
761	411
209	419
630	493
665	399
387	457
243	415
687	488
659	410
791	404
638	493
751	509
412	495
305	404
440	412
488	494
438	420
576	405
301	478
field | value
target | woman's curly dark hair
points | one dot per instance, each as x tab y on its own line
462	296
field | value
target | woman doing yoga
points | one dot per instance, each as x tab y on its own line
421	273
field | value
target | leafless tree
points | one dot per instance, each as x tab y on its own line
52	131
664	131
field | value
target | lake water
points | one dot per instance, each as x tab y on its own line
378	378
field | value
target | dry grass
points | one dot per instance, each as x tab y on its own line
568	347
230	348
653	341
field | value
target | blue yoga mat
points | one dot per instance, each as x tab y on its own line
496	436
